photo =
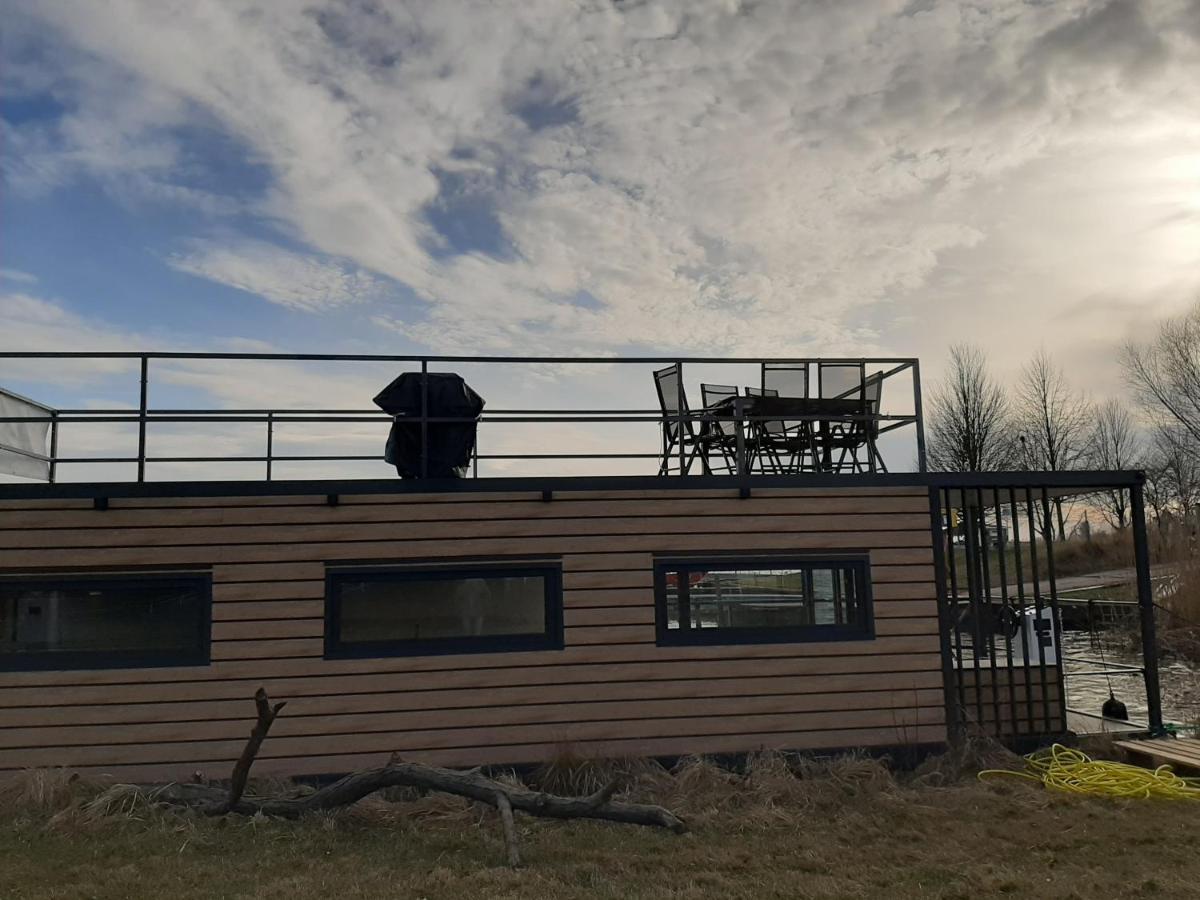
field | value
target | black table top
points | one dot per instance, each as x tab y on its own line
785	407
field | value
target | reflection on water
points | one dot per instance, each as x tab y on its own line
1179	681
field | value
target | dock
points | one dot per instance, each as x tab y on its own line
1181	753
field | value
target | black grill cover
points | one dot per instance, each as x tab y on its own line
450	444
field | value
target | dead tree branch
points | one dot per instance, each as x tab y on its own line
241	771
510	829
354	787
471	785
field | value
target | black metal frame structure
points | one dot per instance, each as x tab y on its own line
145	416
685	636
985	598
36	661
551	637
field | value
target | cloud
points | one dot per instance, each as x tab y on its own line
714	176
290	279
18	276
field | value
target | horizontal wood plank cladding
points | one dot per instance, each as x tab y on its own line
404	722
102	535
894	548
610	691
633	578
820	672
453	497
349	513
97	707
898	654
232	592
269	572
474	737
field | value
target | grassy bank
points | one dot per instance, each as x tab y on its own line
1104	552
849	829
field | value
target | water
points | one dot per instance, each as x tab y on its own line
1179	681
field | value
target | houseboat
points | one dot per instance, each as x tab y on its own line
750	555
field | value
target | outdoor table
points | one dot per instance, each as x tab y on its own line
756	411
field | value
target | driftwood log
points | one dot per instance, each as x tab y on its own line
505	798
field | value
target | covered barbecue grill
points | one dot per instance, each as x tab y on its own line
449	445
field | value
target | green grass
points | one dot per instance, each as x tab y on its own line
826	837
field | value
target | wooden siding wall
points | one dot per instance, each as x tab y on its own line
610	692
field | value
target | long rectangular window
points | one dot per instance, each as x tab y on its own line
727	600
104	621
425	610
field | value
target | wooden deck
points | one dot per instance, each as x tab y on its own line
1182	753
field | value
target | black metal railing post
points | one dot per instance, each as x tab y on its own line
739	412
1055	622
682	401
955	611
1019	580
951	675
1145	593
1002	564
920	416
270	441
424	418
53	472
145	377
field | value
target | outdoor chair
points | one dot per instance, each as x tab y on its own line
785	379
781	446
681	442
724	432
840	381
856	441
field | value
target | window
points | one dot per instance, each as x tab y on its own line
727	600
104	621
417	611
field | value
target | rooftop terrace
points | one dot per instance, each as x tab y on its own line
141	417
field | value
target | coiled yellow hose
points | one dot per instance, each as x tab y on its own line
1074	772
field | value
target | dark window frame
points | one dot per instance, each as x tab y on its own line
861	630
551	638
76	660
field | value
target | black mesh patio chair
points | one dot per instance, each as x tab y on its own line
785	379
682	442
855	441
840	381
724	432
837	381
778	445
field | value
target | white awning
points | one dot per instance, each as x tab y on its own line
24	448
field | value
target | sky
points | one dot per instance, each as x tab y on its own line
588	178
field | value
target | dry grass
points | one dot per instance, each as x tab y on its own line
779	826
1105	550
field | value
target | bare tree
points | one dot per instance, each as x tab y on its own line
1174	473
968	422
1166	372
1052	420
1115	444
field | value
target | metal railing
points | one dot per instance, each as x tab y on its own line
1002	628
146	417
